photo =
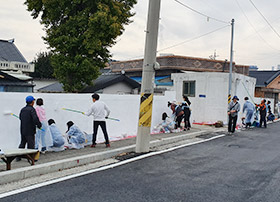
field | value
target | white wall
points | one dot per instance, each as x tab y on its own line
214	86
123	107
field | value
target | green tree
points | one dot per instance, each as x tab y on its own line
43	67
79	34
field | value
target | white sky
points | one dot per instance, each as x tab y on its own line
177	24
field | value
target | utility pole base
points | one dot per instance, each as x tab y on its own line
143	140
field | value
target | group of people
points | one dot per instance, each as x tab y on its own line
180	112
264	109
39	133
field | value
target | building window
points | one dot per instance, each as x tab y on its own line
189	88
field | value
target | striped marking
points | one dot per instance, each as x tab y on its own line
229	98
145	115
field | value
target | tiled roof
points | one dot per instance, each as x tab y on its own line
9	52
264	77
104	81
8	80
52	88
101	82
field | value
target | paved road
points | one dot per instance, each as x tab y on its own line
243	167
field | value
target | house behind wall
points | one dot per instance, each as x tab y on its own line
267	85
174	64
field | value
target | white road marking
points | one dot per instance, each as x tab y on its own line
103	168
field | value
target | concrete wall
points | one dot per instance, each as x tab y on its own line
214	86
123	107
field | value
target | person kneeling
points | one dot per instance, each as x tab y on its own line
58	140
76	137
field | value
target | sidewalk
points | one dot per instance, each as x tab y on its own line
56	161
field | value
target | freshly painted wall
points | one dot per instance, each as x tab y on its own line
123	107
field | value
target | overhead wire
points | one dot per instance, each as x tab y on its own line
181	43
247	18
259	30
200	13
274	30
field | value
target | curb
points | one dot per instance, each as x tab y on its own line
41	169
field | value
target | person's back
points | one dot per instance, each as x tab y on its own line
248	106
58	140
28	121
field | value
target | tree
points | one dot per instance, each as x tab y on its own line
43	67
79	34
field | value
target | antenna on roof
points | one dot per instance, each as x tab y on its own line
213	57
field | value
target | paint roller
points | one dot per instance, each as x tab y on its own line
14	115
10	113
77	111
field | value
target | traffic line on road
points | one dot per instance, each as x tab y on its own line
17	191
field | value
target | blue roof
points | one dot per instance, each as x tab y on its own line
157	80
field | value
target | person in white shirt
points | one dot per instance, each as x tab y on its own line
100	112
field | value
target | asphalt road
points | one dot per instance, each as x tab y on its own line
244	167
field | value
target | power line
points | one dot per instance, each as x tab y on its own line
265	19
208	17
247	18
259	30
178	44
181	43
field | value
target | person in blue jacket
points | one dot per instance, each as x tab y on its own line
75	135
58	140
249	108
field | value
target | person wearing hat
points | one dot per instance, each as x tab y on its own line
249	108
233	109
28	122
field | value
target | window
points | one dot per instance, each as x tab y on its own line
189	88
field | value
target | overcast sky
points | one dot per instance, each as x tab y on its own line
255	42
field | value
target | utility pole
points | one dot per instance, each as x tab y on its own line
148	74
230	64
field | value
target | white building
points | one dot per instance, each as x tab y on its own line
208	92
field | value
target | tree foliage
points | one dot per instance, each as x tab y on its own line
79	33
43	67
